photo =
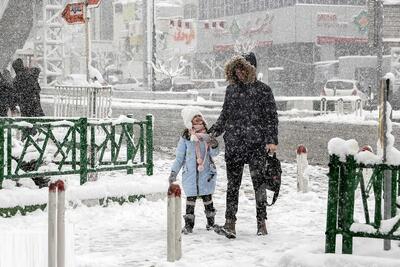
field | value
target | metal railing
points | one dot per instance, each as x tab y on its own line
344	179
88	101
53	147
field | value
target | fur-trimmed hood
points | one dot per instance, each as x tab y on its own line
239	61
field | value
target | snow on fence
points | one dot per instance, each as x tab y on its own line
174	223
346	171
87	101
74	146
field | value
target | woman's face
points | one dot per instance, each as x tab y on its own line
197	120
241	74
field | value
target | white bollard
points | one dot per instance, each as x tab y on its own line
52	233
174	222
302	163
56	226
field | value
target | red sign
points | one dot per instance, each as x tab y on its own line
93	3
323	40
74	13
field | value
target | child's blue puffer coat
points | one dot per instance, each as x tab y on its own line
195	183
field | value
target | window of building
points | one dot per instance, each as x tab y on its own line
244	6
203	9
229	8
190	11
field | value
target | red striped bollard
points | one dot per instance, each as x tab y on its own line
302	163
174	223
56	224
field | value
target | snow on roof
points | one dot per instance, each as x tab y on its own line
391	2
342	80
327	62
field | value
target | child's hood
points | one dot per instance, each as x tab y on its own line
188	113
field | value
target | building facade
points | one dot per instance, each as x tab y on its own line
288	36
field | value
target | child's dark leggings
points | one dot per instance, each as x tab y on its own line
208	205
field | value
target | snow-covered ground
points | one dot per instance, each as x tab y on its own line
134	234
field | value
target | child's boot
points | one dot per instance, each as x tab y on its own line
210	215
189	224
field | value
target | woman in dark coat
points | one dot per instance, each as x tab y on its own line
250	122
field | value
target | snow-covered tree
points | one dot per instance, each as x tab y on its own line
170	68
213	65
244	45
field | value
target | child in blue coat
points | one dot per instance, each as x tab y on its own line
194	156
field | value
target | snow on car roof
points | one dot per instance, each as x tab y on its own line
342	80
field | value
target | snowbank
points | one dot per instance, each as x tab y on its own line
121	186
302	259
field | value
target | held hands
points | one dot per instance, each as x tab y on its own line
213	142
272	148
172	177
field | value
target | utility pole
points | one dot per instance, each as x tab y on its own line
379	41
383	93
149	43
154	46
87	37
145	45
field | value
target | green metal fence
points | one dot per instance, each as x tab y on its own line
344	180
54	146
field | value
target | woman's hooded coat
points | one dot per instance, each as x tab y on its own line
248	118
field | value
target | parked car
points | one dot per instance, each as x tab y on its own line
341	87
130	84
181	84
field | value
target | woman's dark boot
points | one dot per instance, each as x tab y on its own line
261	228
227	230
189	224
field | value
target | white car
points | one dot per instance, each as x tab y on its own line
341	87
76	80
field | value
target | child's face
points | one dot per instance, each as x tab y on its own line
197	120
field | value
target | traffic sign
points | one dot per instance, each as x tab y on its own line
93	3
74	13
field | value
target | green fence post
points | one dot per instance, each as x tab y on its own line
350	181
395	174
113	142
149	144
129	145
9	151
141	143
331	218
92	158
73	144
1	152
377	185
83	162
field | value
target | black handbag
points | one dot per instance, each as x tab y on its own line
272	176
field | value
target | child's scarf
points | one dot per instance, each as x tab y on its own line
199	134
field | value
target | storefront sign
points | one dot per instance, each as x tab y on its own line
230	47
329	20
325	40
